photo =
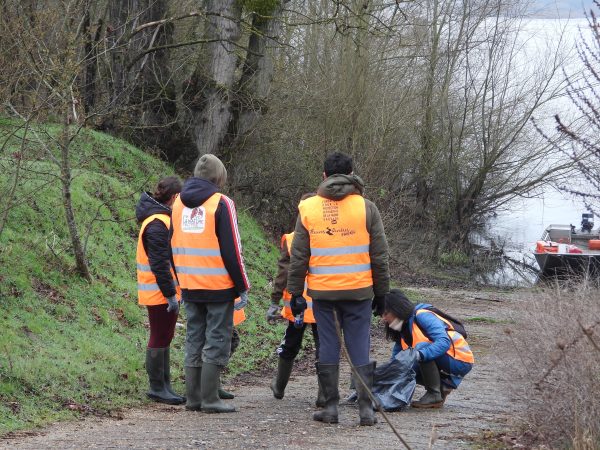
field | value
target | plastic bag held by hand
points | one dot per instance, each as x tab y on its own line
394	381
243	301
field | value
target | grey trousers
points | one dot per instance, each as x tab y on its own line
208	337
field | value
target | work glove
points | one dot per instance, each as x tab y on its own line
273	313
243	301
297	304
378	305
173	305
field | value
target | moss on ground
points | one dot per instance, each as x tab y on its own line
68	347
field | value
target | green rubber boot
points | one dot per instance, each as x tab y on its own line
167	369
193	376
431	380
329	375
365	405
284	370
209	390
156	377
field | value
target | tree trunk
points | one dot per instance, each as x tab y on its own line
214	77
65	178
255	82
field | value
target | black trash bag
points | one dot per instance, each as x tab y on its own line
394	382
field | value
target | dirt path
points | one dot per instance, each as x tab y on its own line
485	401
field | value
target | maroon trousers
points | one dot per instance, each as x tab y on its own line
162	326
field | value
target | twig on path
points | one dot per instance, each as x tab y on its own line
362	382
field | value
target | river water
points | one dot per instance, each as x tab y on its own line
517	227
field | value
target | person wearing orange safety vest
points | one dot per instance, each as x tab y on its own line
157	286
443	355
207	256
340	249
292	340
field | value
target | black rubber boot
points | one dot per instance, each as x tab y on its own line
223	394
329	375
365	405
431	380
209	390
320	402
167	369
155	368
192	388
284	370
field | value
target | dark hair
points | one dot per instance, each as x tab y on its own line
338	162
400	306
166	188
307	195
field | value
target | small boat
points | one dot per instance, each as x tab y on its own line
564	251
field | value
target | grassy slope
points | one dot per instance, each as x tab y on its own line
67	347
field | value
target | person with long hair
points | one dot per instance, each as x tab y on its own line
157	285
443	354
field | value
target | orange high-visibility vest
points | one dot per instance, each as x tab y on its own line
148	291
195	247
286	312
459	349
339	243
238	316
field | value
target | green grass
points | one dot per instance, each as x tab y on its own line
68	347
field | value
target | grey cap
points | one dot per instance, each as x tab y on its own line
210	168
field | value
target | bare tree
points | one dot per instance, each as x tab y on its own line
579	135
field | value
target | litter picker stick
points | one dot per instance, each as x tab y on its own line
362	382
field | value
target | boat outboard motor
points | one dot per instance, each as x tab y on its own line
587	222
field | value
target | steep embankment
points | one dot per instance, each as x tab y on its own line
68	347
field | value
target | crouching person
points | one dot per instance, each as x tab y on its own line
443	354
207	256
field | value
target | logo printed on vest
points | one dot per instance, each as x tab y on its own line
193	220
331	231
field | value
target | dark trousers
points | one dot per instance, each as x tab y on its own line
209	332
292	341
355	322
162	326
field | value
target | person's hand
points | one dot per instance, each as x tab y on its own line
173	305
297	304
243	301
273	313
378	305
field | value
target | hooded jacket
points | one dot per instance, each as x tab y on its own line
155	240
337	187
194	193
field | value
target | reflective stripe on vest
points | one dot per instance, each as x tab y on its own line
459	349
148	291
238	315
195	246
286	311
339	243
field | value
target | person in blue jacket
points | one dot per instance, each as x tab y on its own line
443	354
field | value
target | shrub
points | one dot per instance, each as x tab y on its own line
560	349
